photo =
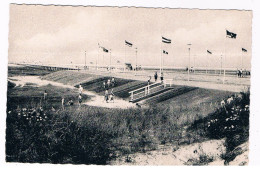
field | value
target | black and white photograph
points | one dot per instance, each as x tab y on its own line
127	85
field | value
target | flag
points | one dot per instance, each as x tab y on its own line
118	61
165	40
231	35
105	50
209	52
165	52
91	62
244	50
128	43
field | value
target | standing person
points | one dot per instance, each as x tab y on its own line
80	89
155	76
111	98
104	85
241	72
149	80
62	102
113	82
162	77
106	95
70	102
108	83
80	100
45	95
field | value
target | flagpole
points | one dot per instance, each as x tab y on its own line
161	61
110	62
85	61
189	67
220	64
124	65
194	64
98	56
224	74
241	59
103	60
135	61
189	62
207	61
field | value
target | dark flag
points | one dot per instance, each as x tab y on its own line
244	50
118	61
209	52
231	35
165	40
128	43
105	50
165	52
91	62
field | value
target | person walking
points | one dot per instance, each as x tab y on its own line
80	100
155	76
241	72
106	95
62	102
111	96
149	81
162	77
45	95
108	83
113	81
80	89
104	85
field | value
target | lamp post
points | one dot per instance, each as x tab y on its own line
189	62
221	64
85	61
110	62
135	60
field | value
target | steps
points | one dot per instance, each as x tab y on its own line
146	91
168	94
151	95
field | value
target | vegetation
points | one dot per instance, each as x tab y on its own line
231	121
43	131
26	70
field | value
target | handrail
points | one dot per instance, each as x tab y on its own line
143	87
168	81
149	89
146	90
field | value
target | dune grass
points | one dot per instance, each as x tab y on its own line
94	135
26	70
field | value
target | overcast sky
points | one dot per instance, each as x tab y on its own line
61	34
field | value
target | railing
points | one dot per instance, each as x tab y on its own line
144	91
168	82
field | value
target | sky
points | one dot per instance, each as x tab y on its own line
62	34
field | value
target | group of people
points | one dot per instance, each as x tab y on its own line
109	97
156	77
71	102
109	83
240	72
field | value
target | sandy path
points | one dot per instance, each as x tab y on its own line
95	99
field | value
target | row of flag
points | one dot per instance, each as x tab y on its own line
243	49
229	34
